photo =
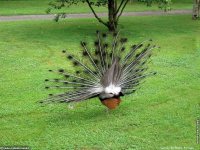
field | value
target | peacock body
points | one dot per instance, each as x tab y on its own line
107	71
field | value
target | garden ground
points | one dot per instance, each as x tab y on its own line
161	114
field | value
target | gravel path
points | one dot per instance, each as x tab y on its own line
90	15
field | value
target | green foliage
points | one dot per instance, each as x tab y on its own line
24	7
58	4
163	4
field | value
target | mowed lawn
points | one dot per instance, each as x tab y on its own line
161	114
24	7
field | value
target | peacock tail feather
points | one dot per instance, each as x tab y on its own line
107	69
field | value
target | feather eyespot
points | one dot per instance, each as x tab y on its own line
104	54
105	45
69	57
61	70
78	72
104	35
83	44
75	63
137	70
95	72
133	46
122	49
140	45
66	76
96	52
96	61
96	43
115	34
85	53
137	55
123	40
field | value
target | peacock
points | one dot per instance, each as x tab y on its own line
107	70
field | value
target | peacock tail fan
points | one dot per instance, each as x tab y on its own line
107	69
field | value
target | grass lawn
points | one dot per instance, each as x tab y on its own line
18	7
161	114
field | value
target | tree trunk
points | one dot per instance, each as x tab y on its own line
196	10
112	21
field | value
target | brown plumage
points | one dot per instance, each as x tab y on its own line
111	103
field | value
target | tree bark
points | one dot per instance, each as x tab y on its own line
196	10
114	13
112	8
96	16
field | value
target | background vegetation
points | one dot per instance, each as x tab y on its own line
19	7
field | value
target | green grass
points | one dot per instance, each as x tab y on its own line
161	114
19	7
